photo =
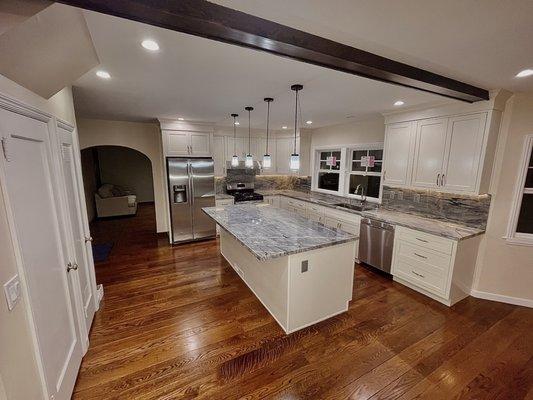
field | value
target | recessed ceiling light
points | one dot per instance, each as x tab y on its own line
284	127
309	122
181	119
399	103
524	73
103	74
150	45
237	123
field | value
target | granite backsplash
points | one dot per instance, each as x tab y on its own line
467	210
264	182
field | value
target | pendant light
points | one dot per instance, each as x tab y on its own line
267	160
249	160
235	158
294	162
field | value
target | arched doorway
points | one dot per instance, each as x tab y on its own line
119	191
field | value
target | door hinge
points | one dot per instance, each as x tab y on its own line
5	149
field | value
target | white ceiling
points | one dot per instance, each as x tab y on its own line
481	42
204	80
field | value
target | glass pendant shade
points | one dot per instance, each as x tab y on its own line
235	161
267	161
249	161
294	162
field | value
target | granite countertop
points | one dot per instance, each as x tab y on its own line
223	196
437	227
434	226
270	232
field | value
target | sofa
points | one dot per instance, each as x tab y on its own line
114	201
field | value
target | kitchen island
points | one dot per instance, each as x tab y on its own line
300	270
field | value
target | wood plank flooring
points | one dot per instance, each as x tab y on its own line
178	323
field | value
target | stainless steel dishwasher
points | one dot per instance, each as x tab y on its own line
376	240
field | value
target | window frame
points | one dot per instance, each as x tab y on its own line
512	236
317	170
368	147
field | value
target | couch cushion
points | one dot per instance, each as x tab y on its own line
105	191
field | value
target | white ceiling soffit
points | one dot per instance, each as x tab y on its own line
48	51
484	43
13	12
204	80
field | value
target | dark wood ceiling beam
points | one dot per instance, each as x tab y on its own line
212	21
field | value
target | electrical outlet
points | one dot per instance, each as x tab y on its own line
416	197
305	266
400	195
12	292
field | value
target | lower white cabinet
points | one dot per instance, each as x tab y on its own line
272	200
438	267
222	203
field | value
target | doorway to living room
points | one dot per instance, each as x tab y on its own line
119	193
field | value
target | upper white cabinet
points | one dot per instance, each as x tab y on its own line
181	143
219	155
399	141
462	159
450	154
429	152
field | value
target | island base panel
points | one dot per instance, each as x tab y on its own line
296	298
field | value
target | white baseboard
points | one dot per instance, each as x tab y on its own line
501	298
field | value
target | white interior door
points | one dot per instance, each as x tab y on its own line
75	214
429	153
31	192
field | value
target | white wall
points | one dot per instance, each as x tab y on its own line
367	131
143	137
18	366
128	168
505	269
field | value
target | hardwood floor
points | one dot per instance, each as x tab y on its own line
178	323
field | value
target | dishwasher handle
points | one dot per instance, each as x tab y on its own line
377	224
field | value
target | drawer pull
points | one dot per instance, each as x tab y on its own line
421	240
417	274
419	255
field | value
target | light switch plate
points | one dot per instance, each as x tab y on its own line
12	292
305	266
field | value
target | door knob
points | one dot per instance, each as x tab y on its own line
72	266
88	239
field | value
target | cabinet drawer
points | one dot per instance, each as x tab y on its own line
317	218
425	240
224	202
314	208
421	274
348	217
439	261
342	225
296	203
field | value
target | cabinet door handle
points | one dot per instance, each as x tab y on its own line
419	255
72	267
438	176
417	274
421	240
442	181
88	239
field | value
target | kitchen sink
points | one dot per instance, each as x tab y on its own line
355	207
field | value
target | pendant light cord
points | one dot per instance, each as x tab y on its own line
295	120
268	118
249	133
234	136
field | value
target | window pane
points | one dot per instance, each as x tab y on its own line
324	155
328	181
525	218
357	154
378	154
336	154
529	178
369	183
337	165
323	165
356	166
531	158
375	168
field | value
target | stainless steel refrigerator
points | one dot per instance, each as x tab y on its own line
191	184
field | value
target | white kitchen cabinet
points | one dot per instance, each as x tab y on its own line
272	200
219	155
429	152
462	159
182	143
237	147
440	268
398	149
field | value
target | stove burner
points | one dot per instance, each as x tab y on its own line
247	196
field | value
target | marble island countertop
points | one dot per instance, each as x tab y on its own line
270	232
437	227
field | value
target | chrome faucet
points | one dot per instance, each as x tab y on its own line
363	197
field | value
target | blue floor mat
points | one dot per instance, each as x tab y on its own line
101	251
